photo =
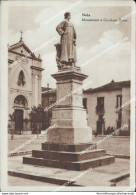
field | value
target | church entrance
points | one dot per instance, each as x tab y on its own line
20	105
18	119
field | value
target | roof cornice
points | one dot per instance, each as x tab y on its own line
33	58
37	68
19	44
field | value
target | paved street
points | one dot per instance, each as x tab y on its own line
22	142
113	145
99	176
13	181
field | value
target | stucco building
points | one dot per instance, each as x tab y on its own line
24	82
100	104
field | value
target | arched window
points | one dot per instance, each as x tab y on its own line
21	79
20	101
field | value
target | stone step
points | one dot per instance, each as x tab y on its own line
39	177
78	166
68	156
68	147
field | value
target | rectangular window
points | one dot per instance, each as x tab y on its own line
100	103
101	117
85	103
119	101
119	117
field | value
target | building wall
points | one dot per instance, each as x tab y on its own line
126	108
48	99
110	104
110	101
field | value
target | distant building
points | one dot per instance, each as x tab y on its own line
100	104
24	82
48	98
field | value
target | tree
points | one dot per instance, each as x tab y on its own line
36	118
12	116
11	124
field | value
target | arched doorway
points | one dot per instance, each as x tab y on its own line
20	104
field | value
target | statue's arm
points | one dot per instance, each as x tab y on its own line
75	36
60	28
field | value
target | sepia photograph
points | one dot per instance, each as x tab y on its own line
68	96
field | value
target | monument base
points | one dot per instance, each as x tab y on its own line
69	145
76	157
70	135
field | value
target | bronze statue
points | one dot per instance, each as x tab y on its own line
66	51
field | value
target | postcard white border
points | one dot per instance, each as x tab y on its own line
4	99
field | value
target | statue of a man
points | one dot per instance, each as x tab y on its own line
68	41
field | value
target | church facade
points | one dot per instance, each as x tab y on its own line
24	83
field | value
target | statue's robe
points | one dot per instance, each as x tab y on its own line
68	39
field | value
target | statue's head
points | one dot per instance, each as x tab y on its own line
67	15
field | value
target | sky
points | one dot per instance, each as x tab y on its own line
38	24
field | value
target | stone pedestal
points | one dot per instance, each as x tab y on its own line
69	145
69	114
